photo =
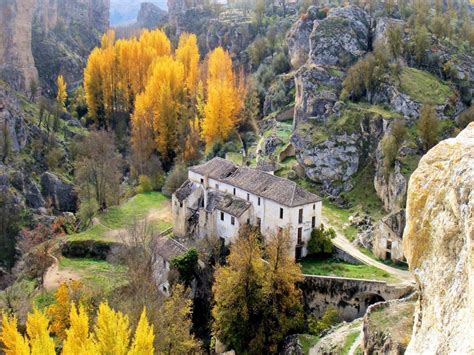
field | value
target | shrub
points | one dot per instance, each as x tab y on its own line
176	177
330	318
320	242
466	117
280	63
87	210
428	127
390	151
186	265
144	184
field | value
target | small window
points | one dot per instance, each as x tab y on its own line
202	181
202	202
313	222
389	244
232	220
248	221
258	201
217	186
281	213
314	206
300	235
248	197
181	204
259	221
300	216
234	191
222	216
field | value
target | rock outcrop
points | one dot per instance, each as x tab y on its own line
64	33
60	194
17	66
438	244
48	37
151	16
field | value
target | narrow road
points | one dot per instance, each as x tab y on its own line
344	244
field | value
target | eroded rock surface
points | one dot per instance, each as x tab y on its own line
438	244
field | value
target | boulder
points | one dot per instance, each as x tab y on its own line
60	193
341	38
33	196
438	244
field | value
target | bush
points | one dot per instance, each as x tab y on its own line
390	151
330	318
280	63
186	265
466	117
144	184
176	177
428	127
320	242
87	211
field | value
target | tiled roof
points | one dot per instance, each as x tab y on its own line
260	183
224	202
185	190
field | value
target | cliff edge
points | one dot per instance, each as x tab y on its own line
439	246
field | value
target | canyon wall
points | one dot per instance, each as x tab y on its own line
17	66
439	246
48	37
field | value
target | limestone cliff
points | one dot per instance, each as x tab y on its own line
438	244
48	37
64	33
17	66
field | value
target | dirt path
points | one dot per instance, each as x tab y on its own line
343	243
55	277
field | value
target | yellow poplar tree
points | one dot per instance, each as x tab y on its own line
188	54
37	328
78	340
144	337
14	343
62	93
223	102
111	331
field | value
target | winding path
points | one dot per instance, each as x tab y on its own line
344	244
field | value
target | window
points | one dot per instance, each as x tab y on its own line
232	220
234	191
313	222
389	244
248	221
300	216
300	235
181	204
259	221
217	186
202	181
248	197
202	202
258	201
222	216
314	206
281	213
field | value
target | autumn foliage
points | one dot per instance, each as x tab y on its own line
172	97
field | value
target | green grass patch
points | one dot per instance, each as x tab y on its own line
363	196
235	157
424	87
332	267
409	164
43	299
118	217
349	341
307	341
97	274
389	262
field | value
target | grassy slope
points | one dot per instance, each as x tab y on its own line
118	217
424	87
337	268
95	273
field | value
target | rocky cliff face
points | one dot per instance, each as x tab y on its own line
64	33
438	244
48	37
17	66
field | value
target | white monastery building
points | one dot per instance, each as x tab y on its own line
220	197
